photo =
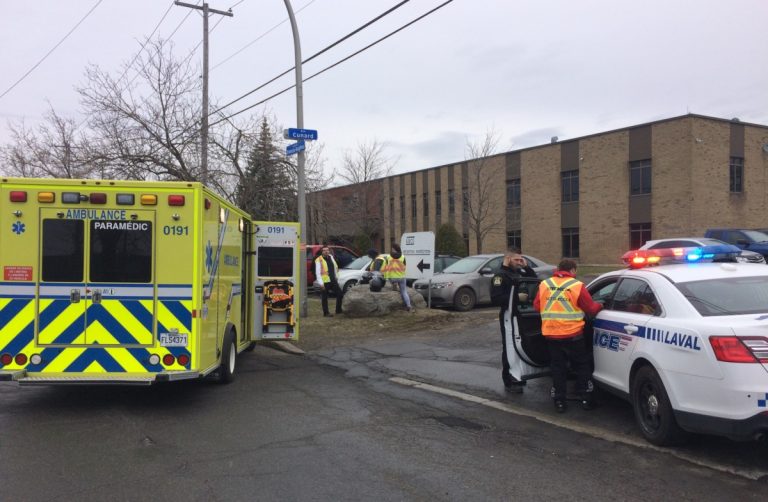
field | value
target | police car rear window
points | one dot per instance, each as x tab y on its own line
727	296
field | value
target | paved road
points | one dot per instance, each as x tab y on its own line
291	428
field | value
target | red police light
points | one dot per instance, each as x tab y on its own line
168	360
183	359
175	200
98	198
17	196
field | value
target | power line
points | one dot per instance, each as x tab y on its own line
146	41
259	37
334	44
51	51
334	64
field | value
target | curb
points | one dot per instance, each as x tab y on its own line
284	346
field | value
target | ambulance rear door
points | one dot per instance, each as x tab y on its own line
276	281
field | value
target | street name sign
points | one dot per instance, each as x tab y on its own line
295	147
293	133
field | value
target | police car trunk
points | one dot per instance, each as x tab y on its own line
97	281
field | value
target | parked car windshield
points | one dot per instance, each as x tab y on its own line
357	263
727	296
465	265
756	236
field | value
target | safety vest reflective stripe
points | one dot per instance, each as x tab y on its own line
557	294
324	268
395	268
545	316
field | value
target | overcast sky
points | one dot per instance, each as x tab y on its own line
529	69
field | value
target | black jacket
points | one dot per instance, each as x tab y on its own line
501	284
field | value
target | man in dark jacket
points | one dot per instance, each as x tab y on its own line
513	268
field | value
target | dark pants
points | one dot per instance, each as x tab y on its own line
573	350
334	287
505	375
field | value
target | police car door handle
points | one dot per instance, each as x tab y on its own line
631	329
74	296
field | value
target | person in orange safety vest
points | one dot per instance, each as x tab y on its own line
563	302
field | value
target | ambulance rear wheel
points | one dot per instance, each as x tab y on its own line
653	410
228	359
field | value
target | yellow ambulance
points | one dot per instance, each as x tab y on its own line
135	282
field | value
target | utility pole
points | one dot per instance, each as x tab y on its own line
204	127
302	200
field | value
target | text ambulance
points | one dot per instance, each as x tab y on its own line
136	282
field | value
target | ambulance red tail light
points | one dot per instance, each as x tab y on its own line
98	198
183	359
731	349
168	360
6	359
175	200
20	359
18	196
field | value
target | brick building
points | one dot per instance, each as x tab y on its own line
589	198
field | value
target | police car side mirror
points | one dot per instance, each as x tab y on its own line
486	271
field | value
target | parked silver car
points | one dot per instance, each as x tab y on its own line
352	273
467	282
685	242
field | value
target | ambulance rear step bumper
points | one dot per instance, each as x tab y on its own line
22	378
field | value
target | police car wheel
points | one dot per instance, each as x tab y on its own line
228	359
348	285
464	299
653	411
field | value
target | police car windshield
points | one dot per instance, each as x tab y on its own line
465	265
727	296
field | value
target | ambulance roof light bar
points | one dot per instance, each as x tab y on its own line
646	257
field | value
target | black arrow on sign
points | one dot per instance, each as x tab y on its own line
421	266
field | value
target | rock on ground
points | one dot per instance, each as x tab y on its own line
360	301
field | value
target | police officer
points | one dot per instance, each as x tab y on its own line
513	267
563	302
326	273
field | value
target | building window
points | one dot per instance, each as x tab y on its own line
451	201
570	186
391	208
466	242
514	239
425	200
513	193
438	204
402	207
640	177
413	206
571	242
639	234
737	175
465	199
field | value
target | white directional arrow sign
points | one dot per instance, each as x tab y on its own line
419	251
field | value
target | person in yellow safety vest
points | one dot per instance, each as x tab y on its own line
395	273
563	302
378	261
326	274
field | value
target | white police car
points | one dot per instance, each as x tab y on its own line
685	342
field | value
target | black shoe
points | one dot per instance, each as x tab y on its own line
560	405
514	389
327	315
588	404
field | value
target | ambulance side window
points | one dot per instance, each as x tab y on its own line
62	251
121	251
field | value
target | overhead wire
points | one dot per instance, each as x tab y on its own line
51	51
327	48
334	64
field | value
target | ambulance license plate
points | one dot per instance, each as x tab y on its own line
173	339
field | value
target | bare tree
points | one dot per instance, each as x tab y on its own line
153	134
482	184
56	149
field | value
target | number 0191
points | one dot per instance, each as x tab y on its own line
175	230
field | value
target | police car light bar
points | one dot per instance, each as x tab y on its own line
645	257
